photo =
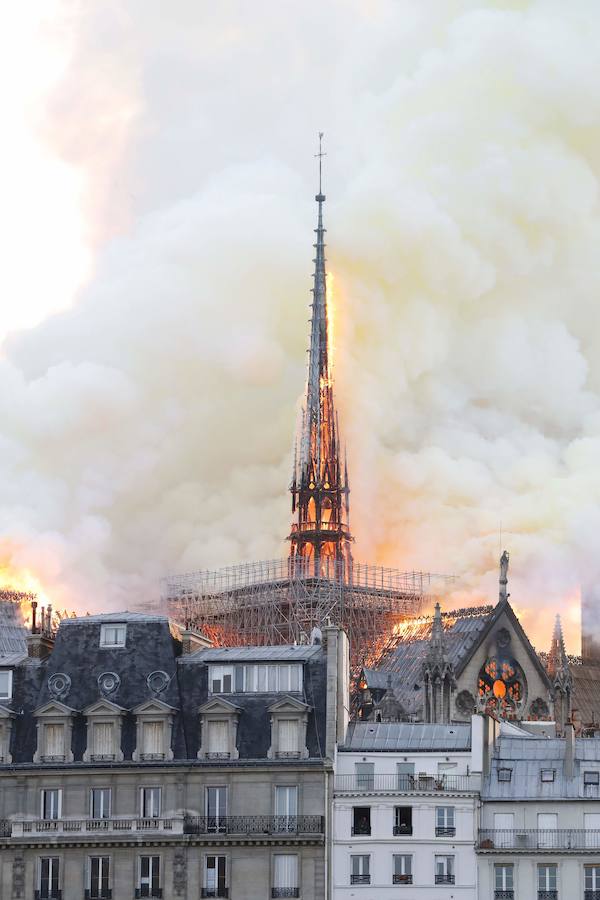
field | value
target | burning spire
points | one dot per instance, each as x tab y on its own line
320	535
557	657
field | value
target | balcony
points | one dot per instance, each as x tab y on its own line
547	895
243	825
400	830
562	840
285	892
406	784
402	879
444	879
91	827
215	892
47	895
360	879
445	832
504	895
98	895
150	893
591	895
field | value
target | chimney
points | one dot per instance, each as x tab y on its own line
40	645
193	640
569	769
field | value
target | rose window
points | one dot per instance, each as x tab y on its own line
501	687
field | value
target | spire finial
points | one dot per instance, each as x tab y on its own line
503	576
320	156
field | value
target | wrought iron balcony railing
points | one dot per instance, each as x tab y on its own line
559	839
547	895
150	893
285	892
591	895
445	832
399	830
504	895
215	892
364	830
48	895
401	784
402	879
360	879
444	879
236	825
104	894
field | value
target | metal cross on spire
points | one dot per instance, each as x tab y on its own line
320	156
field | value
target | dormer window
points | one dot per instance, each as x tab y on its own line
547	774
218	729
113	635
6	684
256	678
53	742
103	731
504	774
54	732
6	721
154	730
289	719
221	679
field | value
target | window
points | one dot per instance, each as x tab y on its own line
547	824
547	878
221	679
152	739
51	803
361	820
503	878
403	820
444	870
285	876
592	878
444	821
406	776
217	739
49	877
359	870
215	876
99	877
100	803
216	809
54	741
103	740
365	776
5	684
547	774
286	807
149	877
591	830
591	778
402	873
256	679
150	802
113	635
288	738
504	774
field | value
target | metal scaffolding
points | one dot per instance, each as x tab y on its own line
274	602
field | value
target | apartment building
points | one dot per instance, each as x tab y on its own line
405	811
137	761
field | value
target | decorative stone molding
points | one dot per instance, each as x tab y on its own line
108	683
52	714
219	710
288	709
154	711
104	712
6	723
158	682
59	685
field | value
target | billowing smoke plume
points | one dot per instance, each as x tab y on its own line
149	428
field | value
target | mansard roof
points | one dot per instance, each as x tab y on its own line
412	737
152	647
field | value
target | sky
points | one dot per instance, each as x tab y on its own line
159	176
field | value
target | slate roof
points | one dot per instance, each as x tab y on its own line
13	634
150	647
527	756
408	648
283	653
412	737
586	692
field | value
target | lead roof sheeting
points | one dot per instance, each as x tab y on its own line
405	659
407	736
289	653
526	759
117	618
13	634
586	692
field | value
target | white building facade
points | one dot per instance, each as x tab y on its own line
405	811
540	821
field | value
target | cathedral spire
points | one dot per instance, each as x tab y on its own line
503	595
320	537
561	678
557	657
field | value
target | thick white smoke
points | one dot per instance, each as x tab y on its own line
149	429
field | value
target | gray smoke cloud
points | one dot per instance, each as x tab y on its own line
149	428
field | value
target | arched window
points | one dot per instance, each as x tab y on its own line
501	687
